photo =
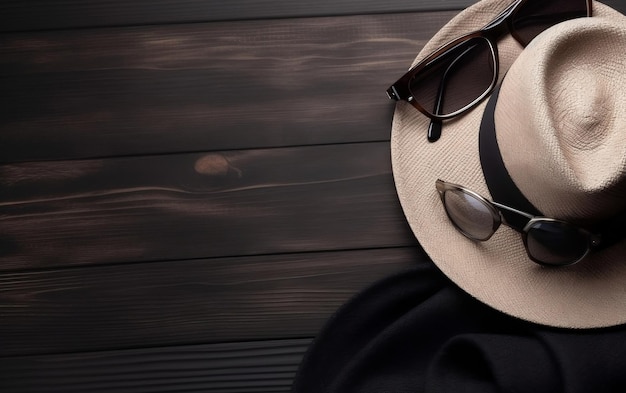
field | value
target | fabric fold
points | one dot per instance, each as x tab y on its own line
418	332
493	363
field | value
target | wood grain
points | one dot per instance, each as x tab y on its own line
22	15
184	302
185	206
259	367
203	87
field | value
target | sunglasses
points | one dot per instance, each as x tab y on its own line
547	241
457	76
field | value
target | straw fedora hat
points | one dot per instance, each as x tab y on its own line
559	120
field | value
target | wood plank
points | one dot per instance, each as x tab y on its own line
185	206
23	15
185	302
204	87
250	367
26	15
150	90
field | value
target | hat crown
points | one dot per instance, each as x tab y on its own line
561	120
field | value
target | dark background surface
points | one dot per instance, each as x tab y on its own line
189	189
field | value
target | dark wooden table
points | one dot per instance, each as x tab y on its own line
189	189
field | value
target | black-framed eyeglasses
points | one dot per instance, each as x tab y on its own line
457	76
548	241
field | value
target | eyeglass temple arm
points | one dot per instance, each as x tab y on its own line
516	226
434	128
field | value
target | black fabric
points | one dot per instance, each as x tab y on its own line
418	332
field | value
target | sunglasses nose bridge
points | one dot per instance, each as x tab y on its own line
495	31
505	15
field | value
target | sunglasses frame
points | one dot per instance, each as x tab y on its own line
500	25
593	240
401	91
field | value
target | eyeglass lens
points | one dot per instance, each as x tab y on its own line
455	80
555	243
469	214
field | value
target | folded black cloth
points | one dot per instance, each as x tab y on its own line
418	332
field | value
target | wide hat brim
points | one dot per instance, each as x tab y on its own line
497	272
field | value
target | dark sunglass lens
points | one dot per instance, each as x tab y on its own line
536	16
556	243
455	79
469	214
